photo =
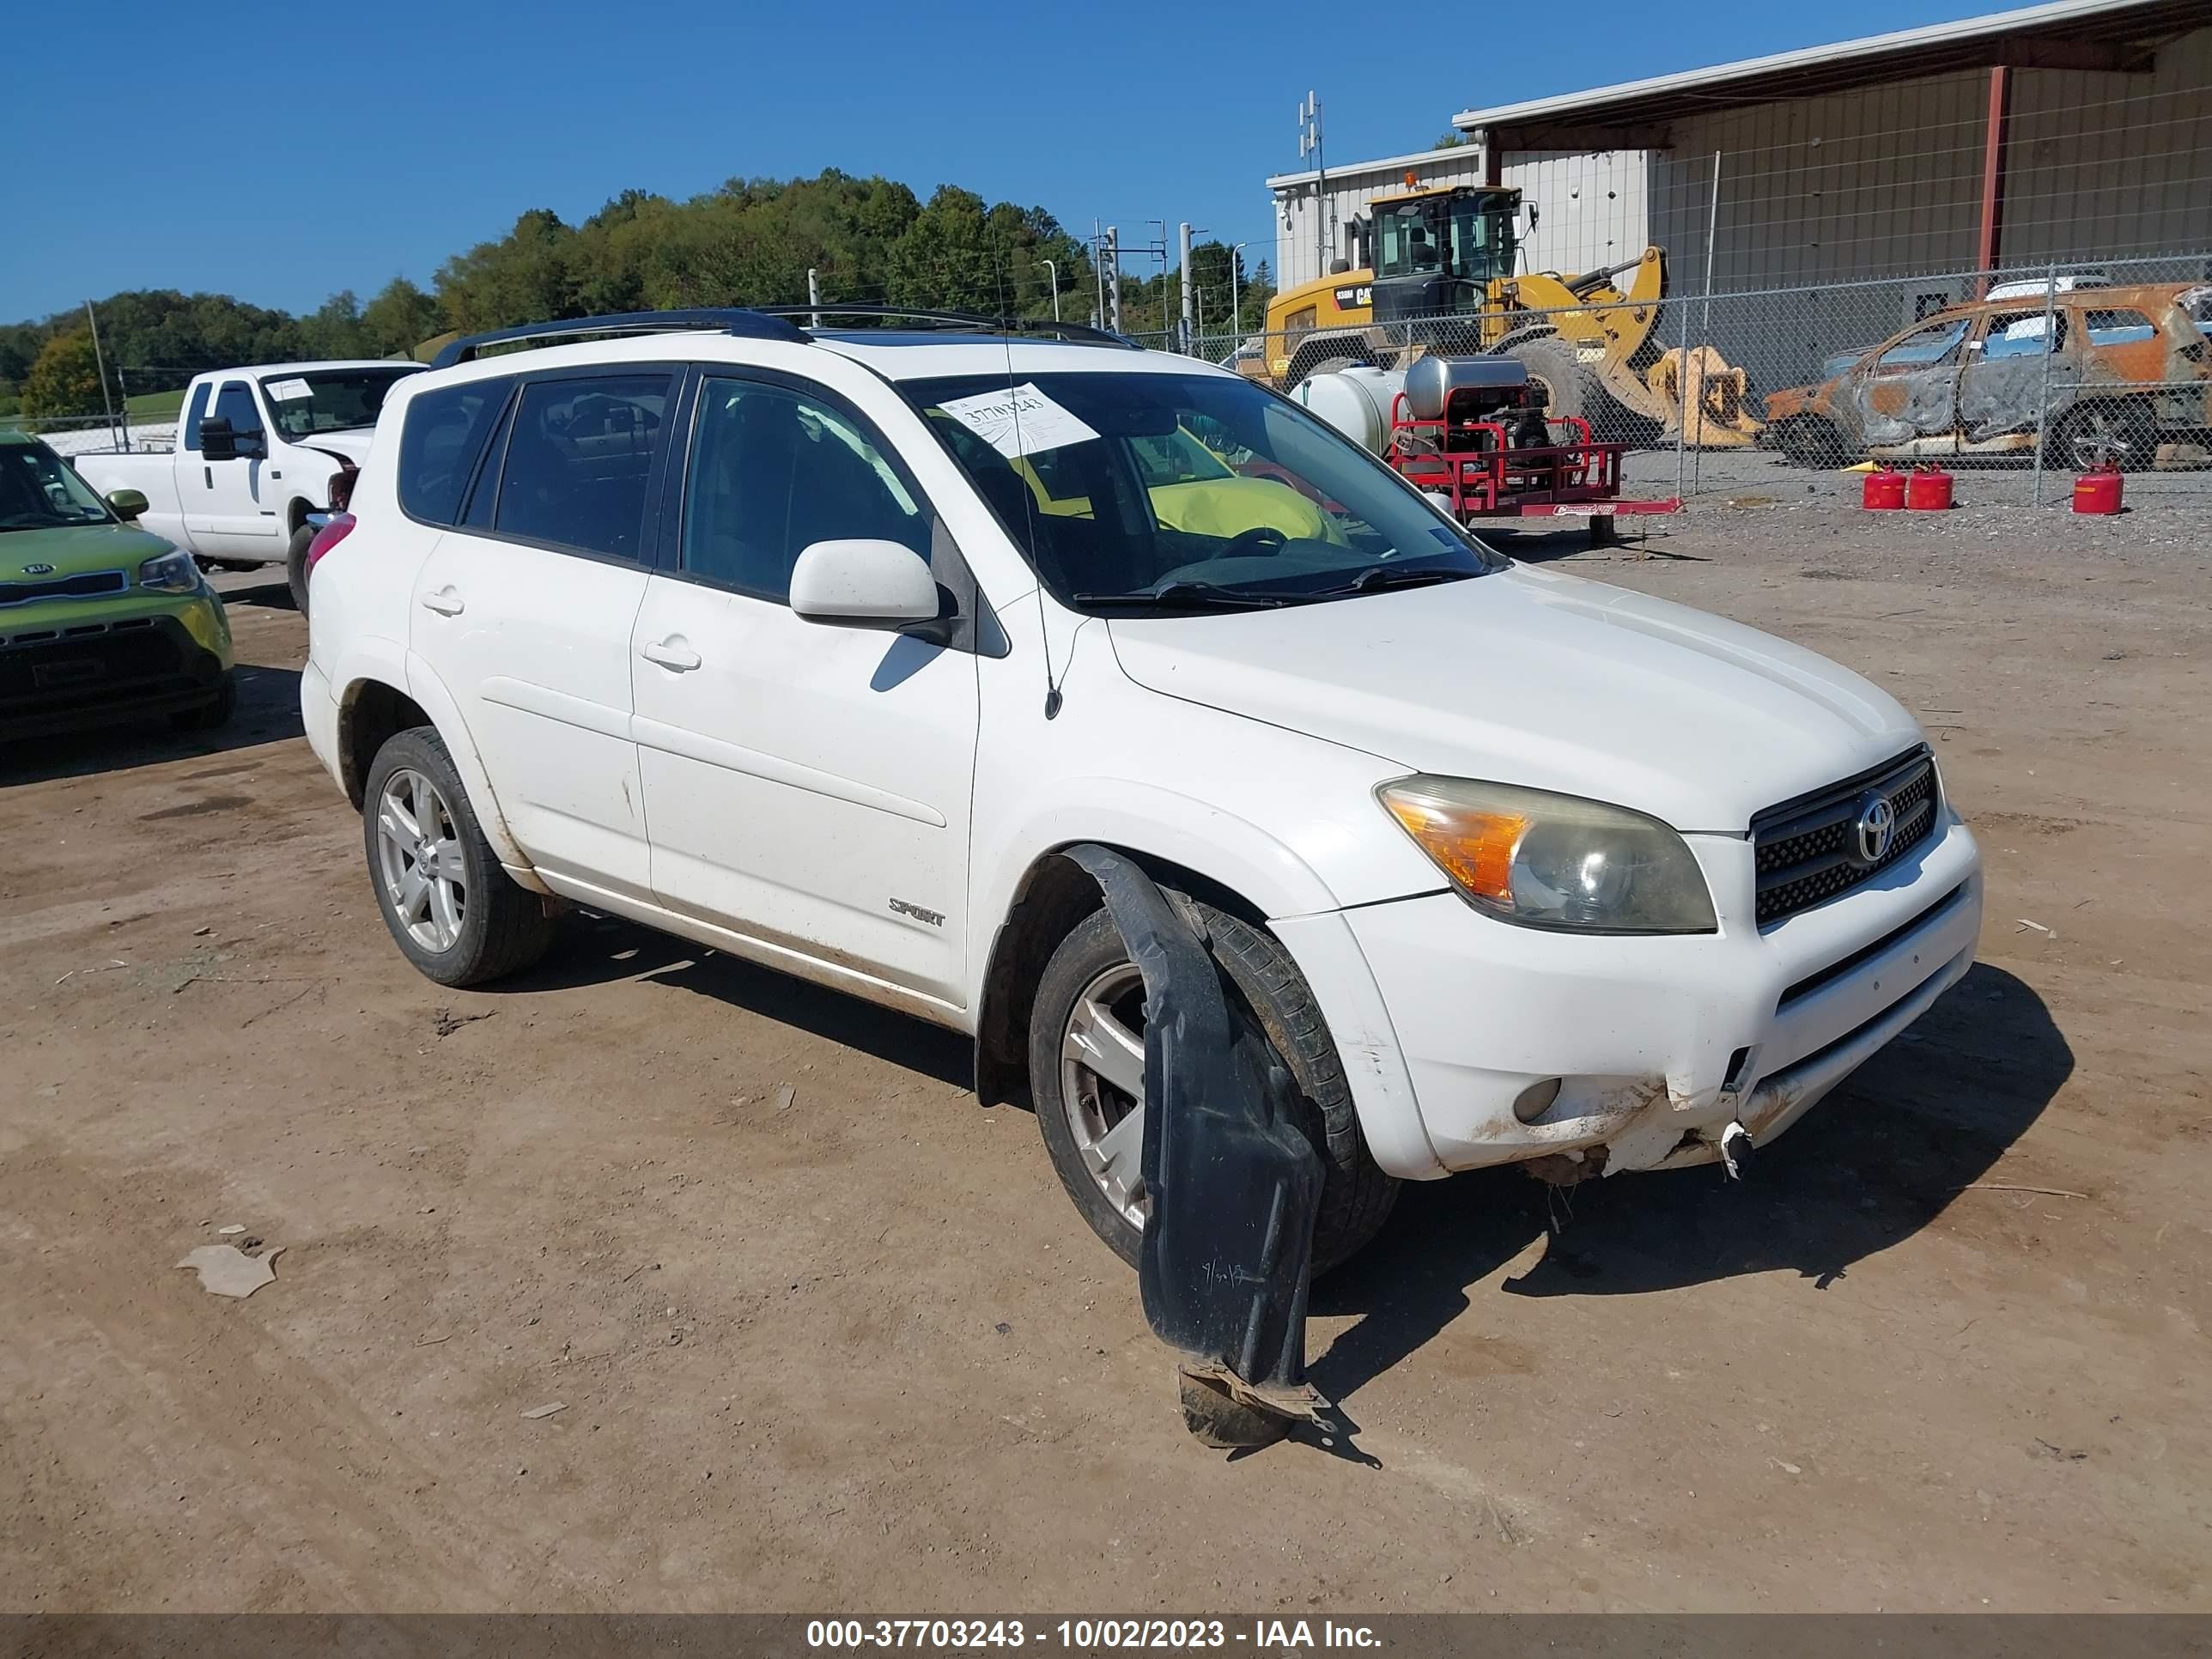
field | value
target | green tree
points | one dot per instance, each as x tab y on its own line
65	378
400	319
1453	140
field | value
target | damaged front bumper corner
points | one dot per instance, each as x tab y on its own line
1658	1045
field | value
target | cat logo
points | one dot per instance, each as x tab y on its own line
1356	297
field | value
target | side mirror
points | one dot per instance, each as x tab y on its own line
863	584
128	504
217	441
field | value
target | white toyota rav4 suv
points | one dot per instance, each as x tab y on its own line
818	646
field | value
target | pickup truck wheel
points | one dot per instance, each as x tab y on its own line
454	913
295	565
1087	1070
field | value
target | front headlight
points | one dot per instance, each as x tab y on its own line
1547	860
173	573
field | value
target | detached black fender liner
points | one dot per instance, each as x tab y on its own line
1233	1183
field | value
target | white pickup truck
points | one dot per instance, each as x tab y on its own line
258	450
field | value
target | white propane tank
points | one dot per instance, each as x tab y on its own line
1356	401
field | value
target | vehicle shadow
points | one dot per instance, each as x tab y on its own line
1868	1167
1554	546
266	596
597	950
268	711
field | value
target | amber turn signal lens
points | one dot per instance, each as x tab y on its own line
1475	848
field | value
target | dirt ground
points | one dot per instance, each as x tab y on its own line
859	1353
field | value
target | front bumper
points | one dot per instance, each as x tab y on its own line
96	665
1660	1043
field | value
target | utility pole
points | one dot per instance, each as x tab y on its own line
1114	274
813	296
1054	270
1236	291
99	363
1309	144
1182	252
1098	271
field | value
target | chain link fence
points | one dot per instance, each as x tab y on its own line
2016	381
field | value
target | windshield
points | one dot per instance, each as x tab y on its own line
38	491
329	400
1190	490
1466	236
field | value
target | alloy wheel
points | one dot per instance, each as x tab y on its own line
420	861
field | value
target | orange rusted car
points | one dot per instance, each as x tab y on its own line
2107	374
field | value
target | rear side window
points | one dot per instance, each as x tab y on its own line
2118	327
195	415
441	443
580	460
235	404
2023	334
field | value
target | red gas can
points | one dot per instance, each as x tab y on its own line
1930	491
1883	490
2098	490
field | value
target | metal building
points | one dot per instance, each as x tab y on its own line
2078	132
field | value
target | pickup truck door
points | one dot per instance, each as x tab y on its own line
231	506
1907	398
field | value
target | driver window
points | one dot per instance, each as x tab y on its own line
235	404
772	473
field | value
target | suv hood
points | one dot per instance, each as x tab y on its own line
1542	680
74	549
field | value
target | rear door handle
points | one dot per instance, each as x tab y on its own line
672	653
443	600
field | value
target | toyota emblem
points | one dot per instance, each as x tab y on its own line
1877	828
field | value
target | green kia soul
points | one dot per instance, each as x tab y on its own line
100	620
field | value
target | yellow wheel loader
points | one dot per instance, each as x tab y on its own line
1443	282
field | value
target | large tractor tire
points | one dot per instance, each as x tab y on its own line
1562	380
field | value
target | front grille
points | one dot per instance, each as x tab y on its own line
1810	850
90	585
94	667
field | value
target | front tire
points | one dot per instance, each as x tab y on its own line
295	565
210	716
1086	1032
453	912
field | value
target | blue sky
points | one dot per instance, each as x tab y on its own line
281	153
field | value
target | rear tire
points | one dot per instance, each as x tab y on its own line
1356	1195
452	909
295	565
2088	434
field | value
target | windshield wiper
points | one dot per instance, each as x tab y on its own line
1182	595
1377	577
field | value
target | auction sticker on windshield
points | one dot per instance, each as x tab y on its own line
1019	420
289	391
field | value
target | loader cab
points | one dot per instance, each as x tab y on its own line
1439	250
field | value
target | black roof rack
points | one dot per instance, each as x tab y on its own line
750	324
969	321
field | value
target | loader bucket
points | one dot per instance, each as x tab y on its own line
1703	398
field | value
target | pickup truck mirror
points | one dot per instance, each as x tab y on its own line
128	504
864	584
221	441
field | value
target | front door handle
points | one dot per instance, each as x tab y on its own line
672	653
443	600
